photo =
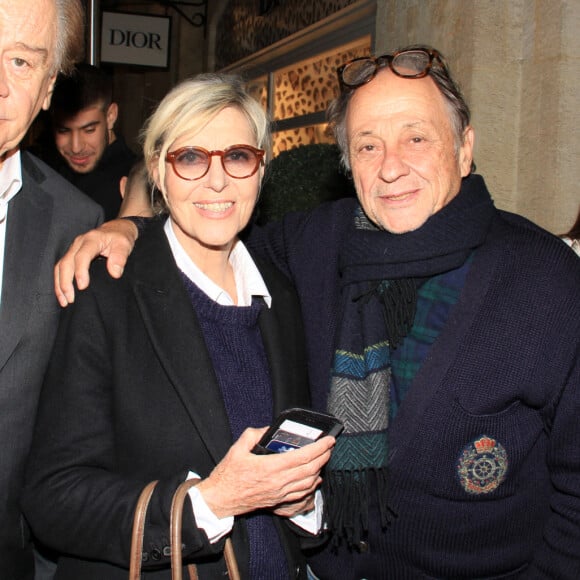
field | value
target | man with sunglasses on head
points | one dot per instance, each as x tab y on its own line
443	332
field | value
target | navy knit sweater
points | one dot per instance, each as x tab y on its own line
233	340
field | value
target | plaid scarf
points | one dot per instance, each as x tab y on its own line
379	277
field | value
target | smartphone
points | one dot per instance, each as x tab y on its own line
295	428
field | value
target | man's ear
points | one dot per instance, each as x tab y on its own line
49	91
466	151
112	114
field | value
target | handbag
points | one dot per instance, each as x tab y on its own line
176	519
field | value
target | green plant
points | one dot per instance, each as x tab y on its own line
302	178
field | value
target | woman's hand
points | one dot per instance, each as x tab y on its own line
244	482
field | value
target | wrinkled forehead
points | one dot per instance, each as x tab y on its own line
31	24
388	94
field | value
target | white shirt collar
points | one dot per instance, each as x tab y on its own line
10	181
249	281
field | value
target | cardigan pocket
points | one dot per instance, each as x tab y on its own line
486	457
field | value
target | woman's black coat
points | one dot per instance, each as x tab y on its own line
131	396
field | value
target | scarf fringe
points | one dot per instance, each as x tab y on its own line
347	512
399	305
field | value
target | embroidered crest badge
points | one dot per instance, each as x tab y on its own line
482	465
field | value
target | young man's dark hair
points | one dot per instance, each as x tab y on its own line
86	86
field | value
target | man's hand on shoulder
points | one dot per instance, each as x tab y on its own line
113	240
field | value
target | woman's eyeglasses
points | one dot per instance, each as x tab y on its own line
409	64
238	161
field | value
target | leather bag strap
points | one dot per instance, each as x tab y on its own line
231	562
176	522
138	531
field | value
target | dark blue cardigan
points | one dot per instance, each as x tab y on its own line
507	366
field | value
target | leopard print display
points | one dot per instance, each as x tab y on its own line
242	30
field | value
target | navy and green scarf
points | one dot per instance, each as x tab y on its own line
379	274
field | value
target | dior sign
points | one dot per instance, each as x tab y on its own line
135	39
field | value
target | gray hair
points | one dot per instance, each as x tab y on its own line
70	39
456	105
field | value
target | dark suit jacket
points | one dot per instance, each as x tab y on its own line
131	396
43	219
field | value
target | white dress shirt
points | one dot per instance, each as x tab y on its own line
10	185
